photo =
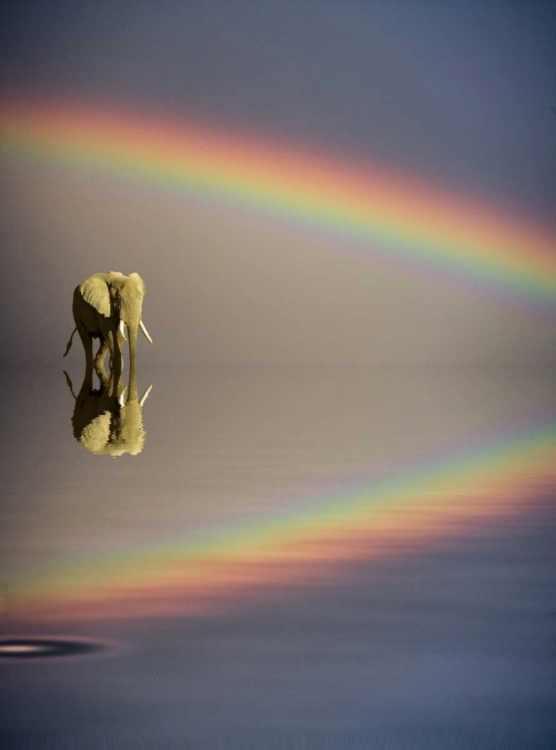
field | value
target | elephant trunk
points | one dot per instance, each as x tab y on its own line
132	331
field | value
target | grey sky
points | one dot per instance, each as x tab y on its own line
458	93
460	88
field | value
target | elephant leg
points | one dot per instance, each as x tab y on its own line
99	360
114	384
120	345
104	378
116	361
87	341
119	339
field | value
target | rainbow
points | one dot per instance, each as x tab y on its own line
417	506
387	213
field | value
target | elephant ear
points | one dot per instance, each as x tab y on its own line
95	292
139	281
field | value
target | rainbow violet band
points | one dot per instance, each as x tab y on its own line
390	214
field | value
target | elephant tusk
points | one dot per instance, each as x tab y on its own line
149	389
145	331
121	397
122	329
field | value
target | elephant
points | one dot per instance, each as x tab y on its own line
106	423
103	306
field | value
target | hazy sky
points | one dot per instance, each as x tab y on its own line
454	93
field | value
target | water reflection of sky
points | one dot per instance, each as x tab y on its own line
254	578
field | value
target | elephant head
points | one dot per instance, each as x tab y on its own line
105	305
109	424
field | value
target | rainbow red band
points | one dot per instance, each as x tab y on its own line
394	214
409	511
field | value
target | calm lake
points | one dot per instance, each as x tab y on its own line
294	557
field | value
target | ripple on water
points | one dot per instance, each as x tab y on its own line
26	648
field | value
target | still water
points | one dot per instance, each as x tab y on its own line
294	557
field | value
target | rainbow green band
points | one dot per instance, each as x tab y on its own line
389	214
415	507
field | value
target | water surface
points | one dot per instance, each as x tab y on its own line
297	555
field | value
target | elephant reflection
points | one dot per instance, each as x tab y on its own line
103	306
106	421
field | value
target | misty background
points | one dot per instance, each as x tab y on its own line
457	95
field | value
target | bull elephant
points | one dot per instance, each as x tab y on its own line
103	306
109	423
